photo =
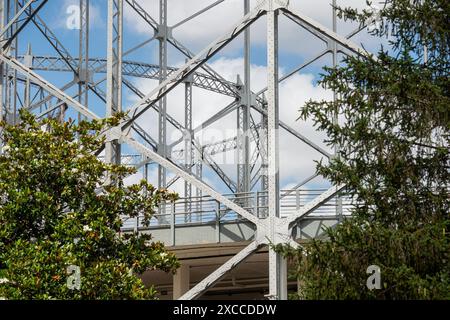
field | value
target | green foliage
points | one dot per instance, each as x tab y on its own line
394	159
56	210
414	262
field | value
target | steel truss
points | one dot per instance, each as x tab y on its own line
257	112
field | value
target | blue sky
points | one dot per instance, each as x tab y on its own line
296	46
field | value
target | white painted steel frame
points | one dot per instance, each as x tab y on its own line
270	230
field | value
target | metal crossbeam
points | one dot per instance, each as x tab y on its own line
295	133
151	71
205	156
178	45
54	42
304	20
132	69
311	206
15	19
18	22
66	57
186	176
213	165
197	13
210	280
217	116
257	113
16	65
175	78
211	148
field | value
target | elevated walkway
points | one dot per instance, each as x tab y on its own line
203	220
204	235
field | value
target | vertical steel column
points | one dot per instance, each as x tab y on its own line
336	115
243	142
198	192
277	265
264	161
11	74
14	73
26	94
145	173
6	51
83	55
162	125
6	70
2	24
114	72
217	221
172	224
188	154
28	62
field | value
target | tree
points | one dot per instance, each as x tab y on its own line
393	158
60	220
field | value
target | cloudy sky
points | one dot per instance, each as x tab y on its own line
296	47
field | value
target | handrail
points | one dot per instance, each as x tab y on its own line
205	210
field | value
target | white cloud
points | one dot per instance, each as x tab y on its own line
203	29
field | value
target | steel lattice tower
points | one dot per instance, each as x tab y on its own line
257	139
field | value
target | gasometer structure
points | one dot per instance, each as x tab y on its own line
222	238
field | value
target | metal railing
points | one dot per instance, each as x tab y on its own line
206	210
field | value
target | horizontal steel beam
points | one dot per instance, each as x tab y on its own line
16	65
132	69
